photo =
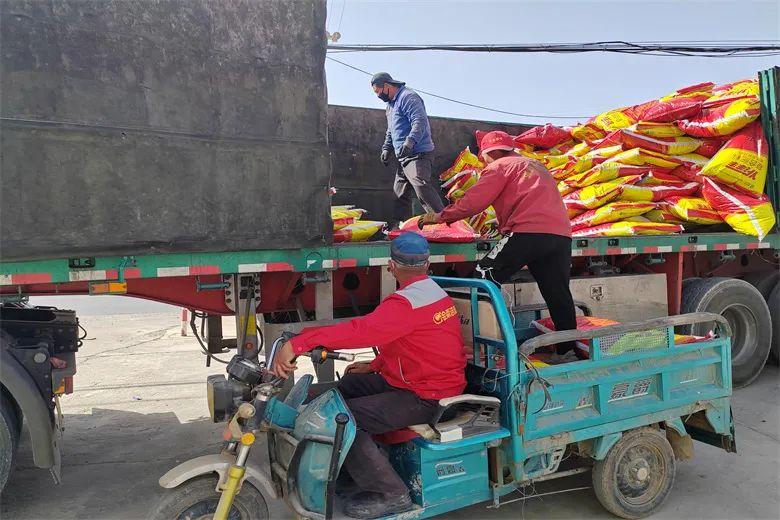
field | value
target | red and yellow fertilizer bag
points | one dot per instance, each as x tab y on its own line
722	117
692	209
742	162
642	157
562	147
461	183
585	162
734	90
691	159
656	129
687	172
662	215
544	136
671	110
596	156
609	170
627	229
344	215
700	92
458	231
545	325
657	193
564	189
612	212
685	339
588	132
464	160
745	214
710	146
595	196
661	178
359	231
615	119
664	145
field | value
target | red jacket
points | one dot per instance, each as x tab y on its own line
523	193
417	330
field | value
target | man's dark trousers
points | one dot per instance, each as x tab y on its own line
378	408
415	176
548	258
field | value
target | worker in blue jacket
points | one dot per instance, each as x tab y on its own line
409	136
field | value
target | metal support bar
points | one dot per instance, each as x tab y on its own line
246	293
323	309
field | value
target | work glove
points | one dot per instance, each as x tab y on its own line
385	157
406	148
427	219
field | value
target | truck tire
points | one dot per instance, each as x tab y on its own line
748	315
198	498
9	439
636	476
774	311
764	281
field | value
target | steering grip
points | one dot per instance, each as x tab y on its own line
319	355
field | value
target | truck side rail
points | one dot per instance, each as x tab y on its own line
552	338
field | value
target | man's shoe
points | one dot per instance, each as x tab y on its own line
376	505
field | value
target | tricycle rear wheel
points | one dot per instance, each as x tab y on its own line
197	499
636	476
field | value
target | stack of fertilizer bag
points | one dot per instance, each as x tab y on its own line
692	160
348	226
458	178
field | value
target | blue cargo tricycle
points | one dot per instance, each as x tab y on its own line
626	414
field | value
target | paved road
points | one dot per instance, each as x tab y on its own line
139	409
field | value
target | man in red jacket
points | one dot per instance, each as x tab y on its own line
421	360
533	219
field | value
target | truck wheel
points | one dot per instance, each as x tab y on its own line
748	315
774	311
9	439
764	281
637	474
197	499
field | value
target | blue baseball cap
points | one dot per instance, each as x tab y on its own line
410	249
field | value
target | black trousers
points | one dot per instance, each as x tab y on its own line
548	258
378	408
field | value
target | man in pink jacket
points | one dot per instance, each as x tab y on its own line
421	360
533	220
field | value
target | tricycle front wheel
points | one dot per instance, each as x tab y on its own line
637	474
197	499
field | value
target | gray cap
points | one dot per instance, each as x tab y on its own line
380	78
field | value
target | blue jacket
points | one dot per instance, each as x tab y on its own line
406	117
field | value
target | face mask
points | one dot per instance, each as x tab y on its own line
384	97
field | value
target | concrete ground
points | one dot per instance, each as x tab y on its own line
139	408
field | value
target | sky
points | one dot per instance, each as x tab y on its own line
579	85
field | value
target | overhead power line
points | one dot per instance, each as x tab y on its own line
713	49
465	103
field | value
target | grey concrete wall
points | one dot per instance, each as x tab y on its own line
355	137
162	125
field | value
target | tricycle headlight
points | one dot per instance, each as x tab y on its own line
219	394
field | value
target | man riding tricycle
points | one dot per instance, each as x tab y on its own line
430	427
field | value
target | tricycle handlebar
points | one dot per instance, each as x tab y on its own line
552	338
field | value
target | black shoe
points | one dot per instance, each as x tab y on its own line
377	505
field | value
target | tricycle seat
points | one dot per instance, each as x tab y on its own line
473	415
